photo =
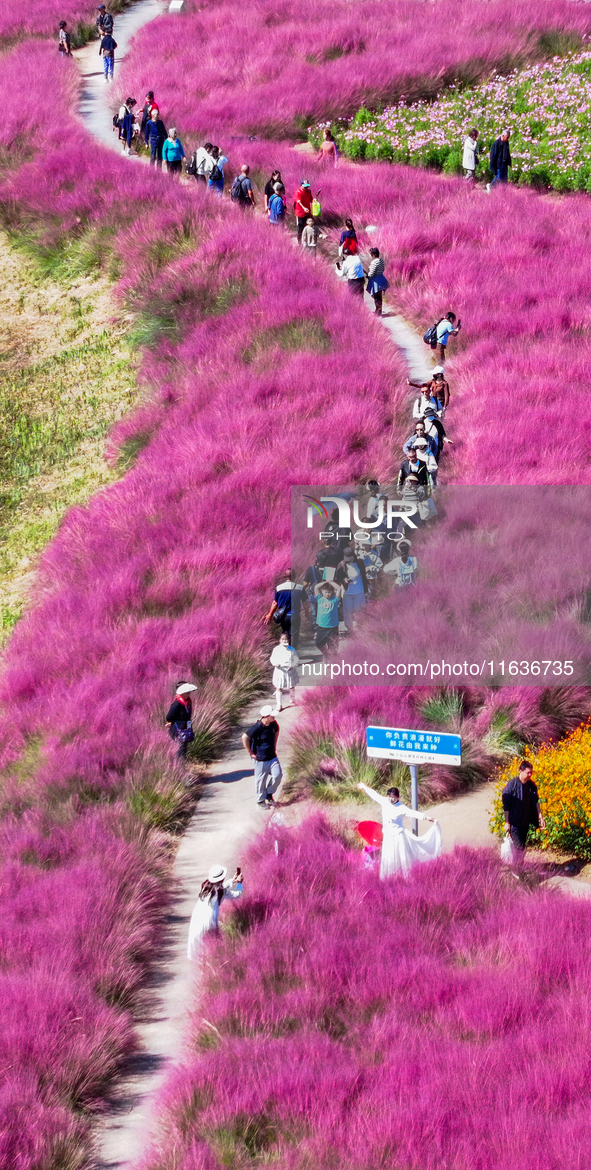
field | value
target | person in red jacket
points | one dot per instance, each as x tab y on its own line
302	206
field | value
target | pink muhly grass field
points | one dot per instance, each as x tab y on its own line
259	373
265	68
432	1022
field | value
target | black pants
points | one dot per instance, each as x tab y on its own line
175	168
326	638
356	286
518	835
301	221
377	300
182	747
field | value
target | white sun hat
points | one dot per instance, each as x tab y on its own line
217	873
185	688
267	710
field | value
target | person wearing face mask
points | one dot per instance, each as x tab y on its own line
403	567
420	432
351	575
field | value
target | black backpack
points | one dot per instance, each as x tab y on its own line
191	168
216	174
238	194
116	122
430	337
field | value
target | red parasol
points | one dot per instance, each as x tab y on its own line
371	832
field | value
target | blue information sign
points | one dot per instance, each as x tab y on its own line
412	746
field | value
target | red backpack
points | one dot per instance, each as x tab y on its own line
350	246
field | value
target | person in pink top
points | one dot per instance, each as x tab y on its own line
302	205
328	149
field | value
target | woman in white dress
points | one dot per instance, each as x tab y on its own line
285	676
205	916
400	848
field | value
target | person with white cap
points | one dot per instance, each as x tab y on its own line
260	741
178	718
205	917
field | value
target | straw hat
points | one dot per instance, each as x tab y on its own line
217	873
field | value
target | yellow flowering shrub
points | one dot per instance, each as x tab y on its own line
562	773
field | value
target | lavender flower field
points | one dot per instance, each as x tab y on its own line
259	372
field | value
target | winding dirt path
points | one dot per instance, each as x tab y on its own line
226	818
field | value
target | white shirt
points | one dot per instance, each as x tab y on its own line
392	814
352	268
405	573
444	328
284	656
470	156
203	161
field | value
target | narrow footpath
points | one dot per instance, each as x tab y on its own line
226	818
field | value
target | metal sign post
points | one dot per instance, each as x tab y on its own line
413	747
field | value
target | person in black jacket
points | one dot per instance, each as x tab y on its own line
521	806
156	135
179	714
500	160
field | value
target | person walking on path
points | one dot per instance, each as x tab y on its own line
351	269
446	328
310	236
276	205
434	394
173	152
205	917
420	433
376	281
402	567
328	149
328	595
400	848
302	205
270	187
521	807
126	122
242	190
156	135
149	105
260	741
178	718
470	156
201	162
64	42
104	21
351	576
413	466
107	50
285	661
348	240
215	174
285	608
500	160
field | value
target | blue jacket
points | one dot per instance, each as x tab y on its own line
156	131
173	151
